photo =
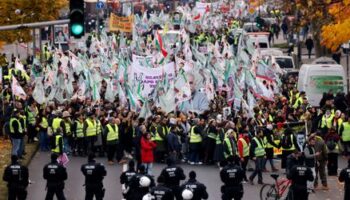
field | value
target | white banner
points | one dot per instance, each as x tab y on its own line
149	77
144	61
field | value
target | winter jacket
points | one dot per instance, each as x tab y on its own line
147	147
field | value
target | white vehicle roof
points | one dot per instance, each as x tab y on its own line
324	60
271	52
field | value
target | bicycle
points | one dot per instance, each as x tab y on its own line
275	191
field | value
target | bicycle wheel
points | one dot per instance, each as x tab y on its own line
268	192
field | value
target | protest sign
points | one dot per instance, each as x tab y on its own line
122	24
149	77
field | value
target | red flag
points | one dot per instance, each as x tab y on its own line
207	9
198	17
159	44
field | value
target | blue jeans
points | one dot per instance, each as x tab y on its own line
194	152
259	164
148	167
66	146
17	146
44	141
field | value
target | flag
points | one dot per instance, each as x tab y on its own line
17	90
159	45
207	9
19	65
197	17
145	111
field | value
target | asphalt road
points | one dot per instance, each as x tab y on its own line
209	175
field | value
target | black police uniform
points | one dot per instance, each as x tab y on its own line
172	177
94	174
344	176
160	192
17	178
55	174
199	190
125	179
232	176
136	192
299	175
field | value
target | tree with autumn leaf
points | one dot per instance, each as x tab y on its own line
328	20
26	11
337	32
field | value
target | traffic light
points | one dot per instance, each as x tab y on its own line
259	22
76	25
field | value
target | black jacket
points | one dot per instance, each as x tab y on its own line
125	177
232	175
173	175
94	173
160	192
55	174
199	190
344	176
299	175
16	176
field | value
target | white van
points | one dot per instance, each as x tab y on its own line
316	79
285	63
262	38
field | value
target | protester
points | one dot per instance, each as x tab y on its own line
257	154
147	148
332	139
310	159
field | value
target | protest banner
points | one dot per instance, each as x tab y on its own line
122	24
149	77
144	61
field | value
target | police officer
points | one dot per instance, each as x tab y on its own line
198	189
232	175
126	176
140	184
55	174
172	176
17	180
299	175
94	174
161	192
344	176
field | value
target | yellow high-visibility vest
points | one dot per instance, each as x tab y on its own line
56	123
12	130
346	132
259	149
245	147
91	129
113	133
195	138
57	140
79	129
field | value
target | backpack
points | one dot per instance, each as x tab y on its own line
331	145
